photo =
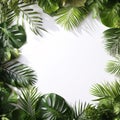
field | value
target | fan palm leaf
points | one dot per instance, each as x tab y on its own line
70	17
79	110
17	74
107	90
112	41
53	107
113	67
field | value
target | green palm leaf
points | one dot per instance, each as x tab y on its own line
53	107
79	110
7	15
113	67
112	41
71	17
27	102
106	90
32	16
17	74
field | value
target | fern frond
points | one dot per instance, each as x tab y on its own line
18	74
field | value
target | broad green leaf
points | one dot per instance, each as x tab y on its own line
49	6
53	107
13	36
5	103
110	16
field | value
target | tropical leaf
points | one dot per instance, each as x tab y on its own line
25	9
5	100
79	110
10	17
13	36
32	16
49	6
70	17
27	101
53	107
17	74
6	14
77	3
110	16
112	41
113	67
107	90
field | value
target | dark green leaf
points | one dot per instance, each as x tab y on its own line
112	41
53	107
18	74
27	101
111	16
49	6
13	36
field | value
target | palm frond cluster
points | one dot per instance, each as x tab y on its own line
19	98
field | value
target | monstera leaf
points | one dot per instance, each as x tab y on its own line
53	107
49	6
13	36
110	16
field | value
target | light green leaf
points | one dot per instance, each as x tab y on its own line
108	91
113	67
70	17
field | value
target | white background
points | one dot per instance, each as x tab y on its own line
68	63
